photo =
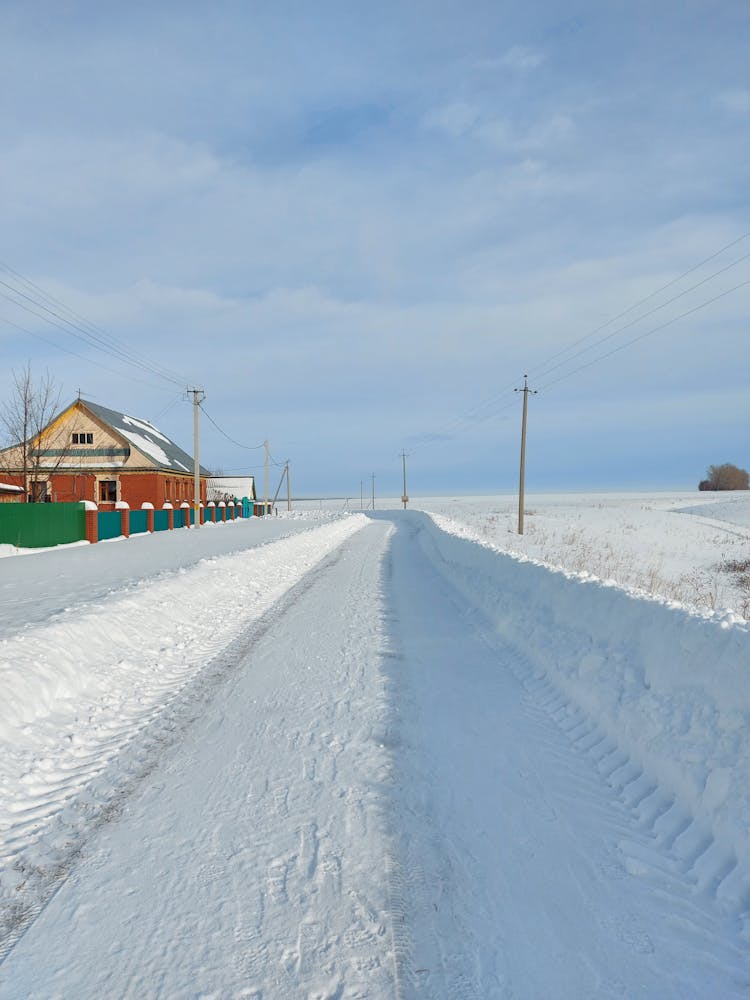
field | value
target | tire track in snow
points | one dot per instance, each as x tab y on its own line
263	870
532	856
43	845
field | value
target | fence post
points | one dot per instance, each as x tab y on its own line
222	510
186	507
92	521
149	508
124	509
170	515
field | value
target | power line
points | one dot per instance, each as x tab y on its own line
643	316
650	296
454	426
245	447
642	336
78	327
76	354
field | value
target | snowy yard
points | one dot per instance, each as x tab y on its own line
400	755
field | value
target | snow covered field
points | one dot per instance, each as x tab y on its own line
363	756
644	541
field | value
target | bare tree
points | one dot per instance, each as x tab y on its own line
25	417
725	477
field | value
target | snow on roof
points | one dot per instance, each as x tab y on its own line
238	486
147	438
146	426
8	488
147	446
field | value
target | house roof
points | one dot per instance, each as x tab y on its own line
238	486
147	438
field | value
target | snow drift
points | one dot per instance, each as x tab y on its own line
669	687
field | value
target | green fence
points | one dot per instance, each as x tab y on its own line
161	520
36	525
110	524
138	522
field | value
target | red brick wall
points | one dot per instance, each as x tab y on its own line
136	488
69	488
157	488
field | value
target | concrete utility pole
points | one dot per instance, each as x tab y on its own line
265	480
404	496
198	397
525	392
373	491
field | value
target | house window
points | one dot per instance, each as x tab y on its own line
107	490
80	438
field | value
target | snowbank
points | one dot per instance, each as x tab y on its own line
73	692
670	688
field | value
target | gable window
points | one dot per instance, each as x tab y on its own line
81	438
107	490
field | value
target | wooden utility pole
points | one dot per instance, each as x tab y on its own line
525	392
404	495
198	397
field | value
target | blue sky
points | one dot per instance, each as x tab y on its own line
357	226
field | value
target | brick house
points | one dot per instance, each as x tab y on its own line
89	452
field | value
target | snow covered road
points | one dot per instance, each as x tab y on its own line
375	791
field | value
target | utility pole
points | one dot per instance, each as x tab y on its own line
373	491
525	392
404	496
198	397
265	480
288	488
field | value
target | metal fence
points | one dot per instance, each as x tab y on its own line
37	525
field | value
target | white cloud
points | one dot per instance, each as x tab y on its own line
735	101
520	58
453	119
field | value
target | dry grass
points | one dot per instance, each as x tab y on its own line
727	584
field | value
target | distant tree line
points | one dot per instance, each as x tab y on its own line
725	477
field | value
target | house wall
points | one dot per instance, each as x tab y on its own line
73	472
70	487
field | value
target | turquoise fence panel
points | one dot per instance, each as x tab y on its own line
161	520
37	525
110	524
247	508
138	521
179	518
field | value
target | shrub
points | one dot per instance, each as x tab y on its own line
725	477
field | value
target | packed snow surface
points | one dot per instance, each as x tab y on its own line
370	757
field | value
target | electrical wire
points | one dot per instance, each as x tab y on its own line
245	447
472	417
642	336
78	327
647	298
76	354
